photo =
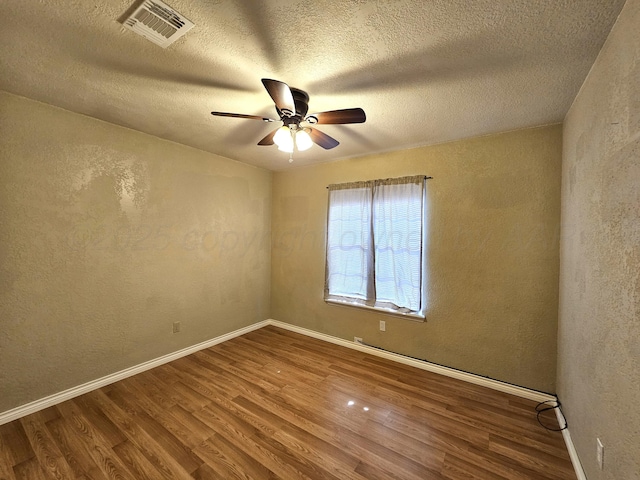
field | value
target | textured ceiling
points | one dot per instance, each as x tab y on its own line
425	71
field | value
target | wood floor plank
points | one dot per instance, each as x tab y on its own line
206	472
430	420
17	443
456	468
136	462
237	463
110	432
433	438
6	452
146	382
229	420
49	456
338	430
209	375
501	465
30	470
297	356
245	358
188	429
94	440
431	381
244	464
273	404
371	472
542	462
302	466
421	453
186	426
75	452
492	422
318	450
251	441
6	470
168	467
217	461
169	443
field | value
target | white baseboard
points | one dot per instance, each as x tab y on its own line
422	364
37	405
573	453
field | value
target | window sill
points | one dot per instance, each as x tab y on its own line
414	317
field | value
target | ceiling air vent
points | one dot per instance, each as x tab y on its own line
158	22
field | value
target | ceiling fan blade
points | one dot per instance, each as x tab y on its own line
268	140
241	115
338	117
322	139
281	95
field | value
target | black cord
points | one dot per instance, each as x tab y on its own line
545	407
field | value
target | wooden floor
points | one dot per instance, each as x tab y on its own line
275	404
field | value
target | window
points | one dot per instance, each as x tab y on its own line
375	238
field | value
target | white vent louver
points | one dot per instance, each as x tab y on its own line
158	22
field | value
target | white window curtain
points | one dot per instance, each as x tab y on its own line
350	245
374	243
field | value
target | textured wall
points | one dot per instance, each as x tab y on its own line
108	236
493	254
599	320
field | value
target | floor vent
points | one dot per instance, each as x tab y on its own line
158	22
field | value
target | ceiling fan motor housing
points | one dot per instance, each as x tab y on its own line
301	100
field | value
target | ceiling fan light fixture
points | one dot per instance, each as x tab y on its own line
284	139
282	136
303	140
286	148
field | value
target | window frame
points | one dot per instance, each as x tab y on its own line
344	301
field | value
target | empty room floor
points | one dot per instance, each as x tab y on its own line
276	404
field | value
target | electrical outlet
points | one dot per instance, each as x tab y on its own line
357	339
383	326
176	327
600	453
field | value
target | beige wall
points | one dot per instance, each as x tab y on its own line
599	320
108	236
493	254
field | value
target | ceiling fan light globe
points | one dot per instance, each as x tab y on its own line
286	148
303	140
283	137
286	145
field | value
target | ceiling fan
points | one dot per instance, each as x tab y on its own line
292	105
